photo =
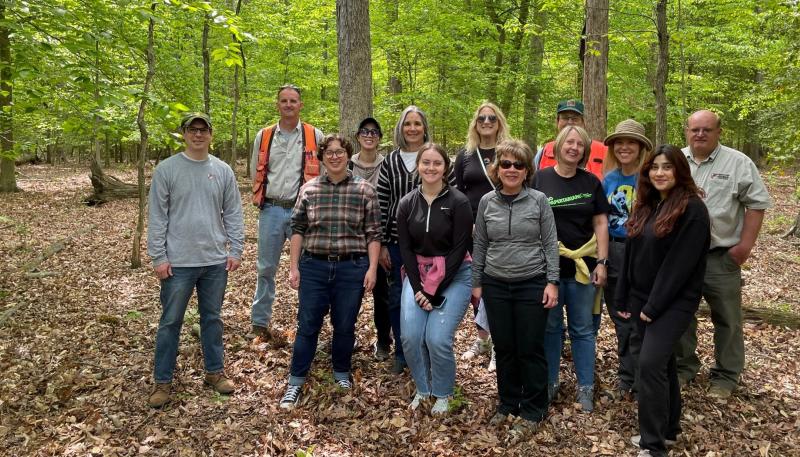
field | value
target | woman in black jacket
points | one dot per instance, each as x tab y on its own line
660	285
434	226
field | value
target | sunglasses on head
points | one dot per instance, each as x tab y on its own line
506	164
487	117
369	132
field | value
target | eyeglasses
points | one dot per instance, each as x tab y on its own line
338	153
198	131
491	118
369	132
570	118
506	164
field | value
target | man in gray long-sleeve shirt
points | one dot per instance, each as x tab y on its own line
195	236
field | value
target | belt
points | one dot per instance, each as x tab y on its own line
718	249
617	239
287	204
337	257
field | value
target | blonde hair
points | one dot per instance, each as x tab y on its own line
562	138
610	161
473	139
517	149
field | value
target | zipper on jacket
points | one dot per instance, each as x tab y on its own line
428	219
510	213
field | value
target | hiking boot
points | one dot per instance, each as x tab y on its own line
292	397
492	362
344	384
160	395
220	383
524	426
498	419
636	439
719	392
381	352
399	366
418	398
552	391
478	347
441	406
584	397
259	331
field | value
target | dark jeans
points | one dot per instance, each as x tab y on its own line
210	282
395	292
659	391
517	321
335	287
628	343
380	298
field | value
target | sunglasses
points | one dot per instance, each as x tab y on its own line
506	164
484	118
369	132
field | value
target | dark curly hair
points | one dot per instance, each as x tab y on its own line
347	145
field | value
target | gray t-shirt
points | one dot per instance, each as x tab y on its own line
195	213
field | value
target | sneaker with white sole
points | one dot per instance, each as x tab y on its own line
291	397
418	398
493	362
478	347
344	384
586	398
636	439
441	406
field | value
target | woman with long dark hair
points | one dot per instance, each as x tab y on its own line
660	286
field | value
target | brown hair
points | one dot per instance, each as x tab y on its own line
334	137
517	149
648	198
438	148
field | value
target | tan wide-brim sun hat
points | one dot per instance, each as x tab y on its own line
629	129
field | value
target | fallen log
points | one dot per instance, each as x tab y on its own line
54	248
770	316
107	187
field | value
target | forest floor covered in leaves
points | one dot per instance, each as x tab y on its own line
77	337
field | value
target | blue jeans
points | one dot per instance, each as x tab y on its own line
273	230
335	287
428	335
210	282
395	292
578	299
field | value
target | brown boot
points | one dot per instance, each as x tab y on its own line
220	383
160	395
259	331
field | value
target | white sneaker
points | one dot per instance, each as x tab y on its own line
493	362
441	406
291	397
418	398
478	347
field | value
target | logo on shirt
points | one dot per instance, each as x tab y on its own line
211	177
722	176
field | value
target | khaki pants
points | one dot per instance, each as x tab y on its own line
722	290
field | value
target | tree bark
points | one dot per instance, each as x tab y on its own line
235	111
662	71
8	174
532	89
355	63
513	62
206	69
494	76
394	82
136	254
595	66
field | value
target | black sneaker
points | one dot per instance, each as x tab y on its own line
291	397
381	352
399	366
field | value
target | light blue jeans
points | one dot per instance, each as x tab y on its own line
274	228
428	335
176	290
578	299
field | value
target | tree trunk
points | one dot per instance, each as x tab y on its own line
595	66
8	174
107	188
206	69
394	82
235	90
532	89
355	63
323	91
248	147
513	63
662	69
494	76
96	117
136	254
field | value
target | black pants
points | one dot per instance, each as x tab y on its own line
628	343
659	391
380	298
517	321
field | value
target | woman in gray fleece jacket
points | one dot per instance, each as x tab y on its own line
515	270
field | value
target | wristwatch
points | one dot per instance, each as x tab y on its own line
603	262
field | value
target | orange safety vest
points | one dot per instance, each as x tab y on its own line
310	165
594	165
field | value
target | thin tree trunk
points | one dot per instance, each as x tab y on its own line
662	69
516	44
235	89
323	91
355	63
246	111
8	176
684	106
394	82
595	66
494	76
532	89
206	69
136	254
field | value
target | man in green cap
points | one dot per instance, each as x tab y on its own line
570	112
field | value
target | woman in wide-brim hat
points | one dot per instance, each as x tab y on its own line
627	149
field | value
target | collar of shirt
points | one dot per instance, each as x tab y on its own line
327	179
295	129
710	158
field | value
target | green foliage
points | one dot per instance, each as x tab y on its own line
308	452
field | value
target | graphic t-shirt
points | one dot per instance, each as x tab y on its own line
574	202
621	193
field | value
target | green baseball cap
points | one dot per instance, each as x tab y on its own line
570	105
190	117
